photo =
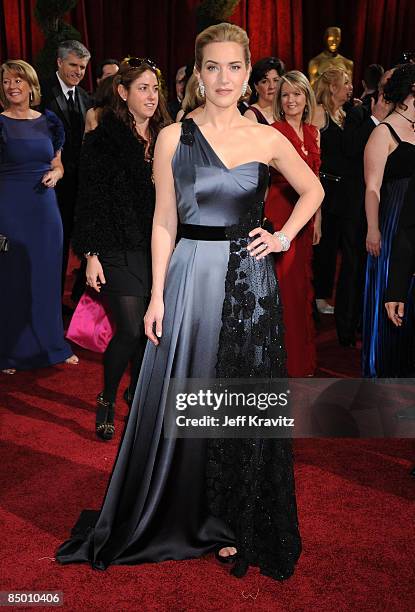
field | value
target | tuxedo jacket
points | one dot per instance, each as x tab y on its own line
358	126
54	99
402	260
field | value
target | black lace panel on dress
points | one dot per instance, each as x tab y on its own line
250	482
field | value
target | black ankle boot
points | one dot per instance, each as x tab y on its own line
109	425
104	418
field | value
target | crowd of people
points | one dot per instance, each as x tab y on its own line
163	203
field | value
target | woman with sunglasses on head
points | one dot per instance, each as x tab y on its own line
214	313
263	82
114	216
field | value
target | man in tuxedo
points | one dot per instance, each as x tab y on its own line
360	121
69	102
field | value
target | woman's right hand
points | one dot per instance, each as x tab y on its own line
94	273
373	242
153	320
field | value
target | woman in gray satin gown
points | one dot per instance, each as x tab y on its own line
214	312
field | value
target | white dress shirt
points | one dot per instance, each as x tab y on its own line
65	88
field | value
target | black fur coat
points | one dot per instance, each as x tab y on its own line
116	194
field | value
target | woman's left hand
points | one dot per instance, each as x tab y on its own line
265	244
51	178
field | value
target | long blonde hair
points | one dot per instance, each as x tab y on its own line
333	77
297	80
222	32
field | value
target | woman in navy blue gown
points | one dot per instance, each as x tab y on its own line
388	351
31	329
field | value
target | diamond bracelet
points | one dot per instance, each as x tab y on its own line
284	240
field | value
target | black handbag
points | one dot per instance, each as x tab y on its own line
4	244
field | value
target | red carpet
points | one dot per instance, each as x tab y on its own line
355	503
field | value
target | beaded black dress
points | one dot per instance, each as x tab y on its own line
181	498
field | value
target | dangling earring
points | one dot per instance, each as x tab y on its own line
244	88
30	98
282	113
201	89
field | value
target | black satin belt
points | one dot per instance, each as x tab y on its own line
203	232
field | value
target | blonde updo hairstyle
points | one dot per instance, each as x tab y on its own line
297	80
27	73
333	77
222	32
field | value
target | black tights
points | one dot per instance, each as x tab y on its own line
127	344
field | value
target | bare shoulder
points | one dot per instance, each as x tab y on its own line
269	143
256	128
381	133
383	128
265	133
168	138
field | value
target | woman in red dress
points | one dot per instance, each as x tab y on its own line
294	105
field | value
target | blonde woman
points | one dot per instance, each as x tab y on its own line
332	89
293	109
214	313
31	328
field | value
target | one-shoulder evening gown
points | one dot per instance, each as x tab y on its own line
31	328
181	498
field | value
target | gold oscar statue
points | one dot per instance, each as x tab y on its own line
329	58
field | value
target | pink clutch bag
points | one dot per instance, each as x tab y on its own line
90	326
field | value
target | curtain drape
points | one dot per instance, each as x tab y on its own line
372	30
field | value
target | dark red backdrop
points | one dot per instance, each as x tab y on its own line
373	30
